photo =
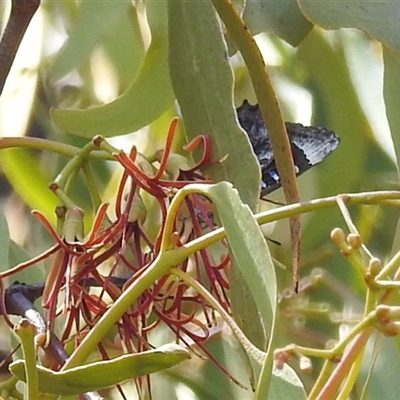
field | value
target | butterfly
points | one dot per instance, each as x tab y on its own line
310	145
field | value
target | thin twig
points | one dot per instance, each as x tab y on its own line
21	14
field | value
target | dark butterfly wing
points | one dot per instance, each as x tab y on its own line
310	145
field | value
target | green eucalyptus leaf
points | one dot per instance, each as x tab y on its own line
382	382
203	83
202	78
251	253
103	374
126	59
95	19
282	18
4	242
285	384
392	98
249	248
21	170
147	97
378	19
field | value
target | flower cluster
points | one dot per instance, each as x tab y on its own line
88	275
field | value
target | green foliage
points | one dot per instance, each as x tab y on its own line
163	58
103	374
146	98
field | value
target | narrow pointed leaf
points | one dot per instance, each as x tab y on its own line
249	248
148	96
4	242
103	374
391	95
378	19
203	83
282	18
202	78
93	22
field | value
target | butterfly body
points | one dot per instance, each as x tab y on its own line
309	144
